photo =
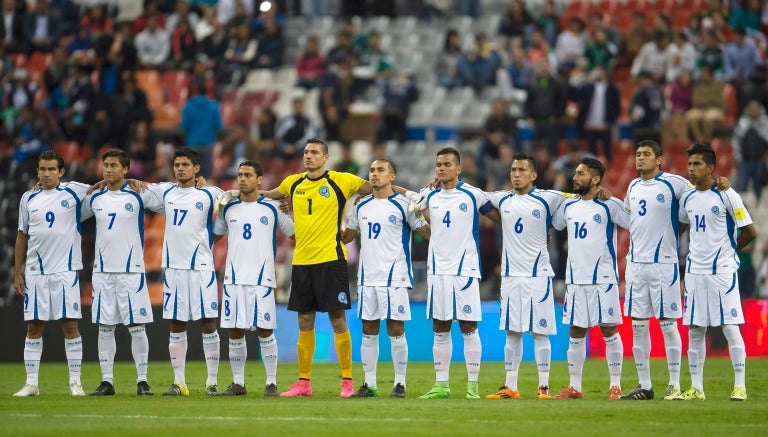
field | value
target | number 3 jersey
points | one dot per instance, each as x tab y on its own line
252	240
120	227
188	226
385	231
51	221
591	238
714	217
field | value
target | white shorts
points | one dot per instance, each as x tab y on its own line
383	303
653	290
453	298
586	306
248	307
527	305
712	300
52	297
120	298
190	295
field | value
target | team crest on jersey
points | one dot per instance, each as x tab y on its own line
64	203
610	311
214	306
267	317
597	218
734	313
543	323
463	207
660	197
467	309
324	191
264	220
393	219
143	312
199	206
715	210
536	213
75	306
401	309
342	297
129	207
673	306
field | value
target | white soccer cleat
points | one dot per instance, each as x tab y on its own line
76	389
27	390
416	202
224	199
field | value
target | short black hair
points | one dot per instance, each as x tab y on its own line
318	141
706	152
121	155
594	165
521	156
255	164
392	165
187	152
655	146
450	151
50	155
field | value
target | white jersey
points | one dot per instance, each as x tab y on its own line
714	217
51	221
525	222
385	239
188	226
653	207
120	227
252	241
454	216
591	239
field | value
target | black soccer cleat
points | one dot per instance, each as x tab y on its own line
270	390
235	390
104	389
638	394
143	389
398	391
366	392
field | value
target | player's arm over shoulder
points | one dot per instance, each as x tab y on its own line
283	190
350	183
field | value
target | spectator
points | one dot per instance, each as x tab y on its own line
570	45
240	18
214	47
663	23
228	9
447	62
81	41
612	35
599	108
202	74
183	12
545	106
682	56
747	16
122	48
338	90
138	104
12	28
271	47
477	67
470	8
205	26
342	50
680	92
150	10
201	121
692	29
515	78
711	54
347	163
96	21
634	38
374	58
183	47
708	105
753	87
399	93
750	148
740	57
600	51
57	72
655	58
719	26
239	55
515	26
81	96
538	49
293	131
265	132
238	146
319	8
19	93
645	109
549	22
42	30
499	128
310	65
152	44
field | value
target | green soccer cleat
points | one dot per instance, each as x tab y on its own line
472	390
440	390
366	392
693	394
739	394
177	389
673	394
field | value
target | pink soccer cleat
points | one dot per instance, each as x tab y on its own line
347	388
302	388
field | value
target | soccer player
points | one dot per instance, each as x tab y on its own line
190	291
384	223
453	269
711	284
47	258
527	302
592	291
251	221
120	294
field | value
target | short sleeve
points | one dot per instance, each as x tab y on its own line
214	191
736	209
86	211
683	214
80	189
220	224
285	223
484	205
558	219
349	183
352	221
496	197
24	213
285	186
153	198
618	214
680	185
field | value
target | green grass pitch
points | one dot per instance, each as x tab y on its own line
55	412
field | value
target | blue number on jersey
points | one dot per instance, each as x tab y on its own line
247	234
519	226
701	222
642	211
50	217
580	231
178	220
374	229
112	220
447	219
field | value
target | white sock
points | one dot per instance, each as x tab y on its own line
399	357
177	348
697	353
211	347
441	352
674	346
33	350
140	350
107	349
513	354
641	349
369	355
269	357
577	353
238	352
614	355
74	351
543	357
738	353
473	351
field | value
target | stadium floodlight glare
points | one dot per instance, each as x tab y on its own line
265	6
